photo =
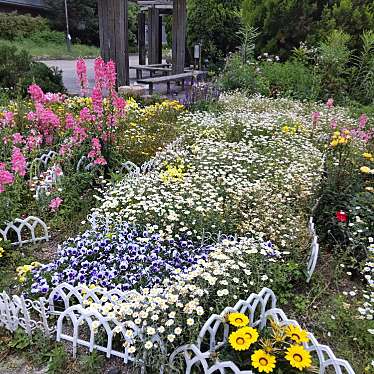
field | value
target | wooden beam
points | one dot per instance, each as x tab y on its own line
113	24
141	38
153	35
179	36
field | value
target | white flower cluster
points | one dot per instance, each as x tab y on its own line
237	172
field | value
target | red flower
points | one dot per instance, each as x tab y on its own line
341	216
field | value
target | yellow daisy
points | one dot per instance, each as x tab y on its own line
365	169
299	357
250	333
239	341
238	319
297	334
263	362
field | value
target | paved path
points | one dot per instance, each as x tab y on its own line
70	78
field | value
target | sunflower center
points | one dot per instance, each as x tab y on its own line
297	358
263	361
238	320
296	336
240	341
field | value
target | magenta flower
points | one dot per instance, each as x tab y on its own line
100	161
17	138
330	103
315	117
36	93
55	203
18	162
111	75
100	73
333	124
82	75
5	177
97	101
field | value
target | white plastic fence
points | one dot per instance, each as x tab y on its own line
214	334
26	231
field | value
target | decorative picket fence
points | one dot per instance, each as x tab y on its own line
66	315
214	334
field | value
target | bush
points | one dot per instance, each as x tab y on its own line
13	25
48	36
18	71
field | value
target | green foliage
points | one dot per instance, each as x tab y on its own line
20	340
91	363
284	24
215	23
58	360
248	35
17	70
13	25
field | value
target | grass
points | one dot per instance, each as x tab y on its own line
51	50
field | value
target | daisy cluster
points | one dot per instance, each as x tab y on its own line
238	173
117	256
174	312
367	309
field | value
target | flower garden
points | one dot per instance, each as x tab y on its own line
222	210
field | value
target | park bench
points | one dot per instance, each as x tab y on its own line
163	68
196	74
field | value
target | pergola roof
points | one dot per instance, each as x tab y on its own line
158	4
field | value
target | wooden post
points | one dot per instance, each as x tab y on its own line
179	35
159	57
113	24
153	35
141	38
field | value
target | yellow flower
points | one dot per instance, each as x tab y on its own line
297	334
2	252
365	169
285	128
334	143
239	341
368	156
250	333
262	361
238	319
299	357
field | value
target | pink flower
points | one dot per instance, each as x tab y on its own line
58	171
17	138
97	101
363	120
55	203
85	115
5	177
18	162
315	118
100	161
333	124
100	73
110	70
330	103
36	93
69	121
8	119
82	75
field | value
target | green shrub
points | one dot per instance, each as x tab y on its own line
18	71
48	36
243	76
291	79
13	25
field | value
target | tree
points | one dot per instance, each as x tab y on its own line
214	23
84	21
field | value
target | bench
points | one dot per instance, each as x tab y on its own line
151	68
172	78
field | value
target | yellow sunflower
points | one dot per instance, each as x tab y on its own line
250	333
262	361
238	319
297	334
239	341
299	357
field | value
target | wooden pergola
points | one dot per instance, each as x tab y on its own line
113	23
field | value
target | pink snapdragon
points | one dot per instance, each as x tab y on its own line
95	148
82	75
36	93
7	119
69	121
18	162
110	70
55	203
97	101
100	161
333	124
330	103
5	177
100	73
